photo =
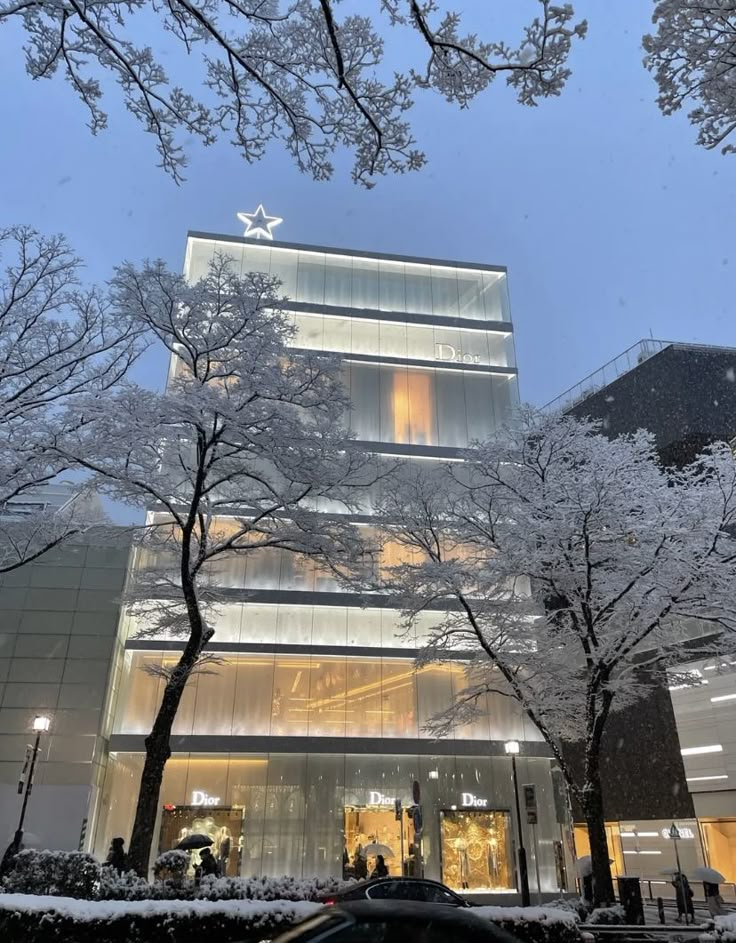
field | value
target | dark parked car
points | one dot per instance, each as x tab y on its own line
395	921
398	888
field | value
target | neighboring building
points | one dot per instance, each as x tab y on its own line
293	753
678	751
59	620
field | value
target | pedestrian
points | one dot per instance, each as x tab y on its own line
380	870
207	864
116	857
683	896
713	899
360	867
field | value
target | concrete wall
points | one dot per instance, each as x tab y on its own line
58	638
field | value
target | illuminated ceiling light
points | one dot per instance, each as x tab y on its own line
723	697
259	224
697	751
639	834
702	779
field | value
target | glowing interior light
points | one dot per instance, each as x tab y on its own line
703	779
697	751
723	697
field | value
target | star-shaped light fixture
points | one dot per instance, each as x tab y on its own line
258	225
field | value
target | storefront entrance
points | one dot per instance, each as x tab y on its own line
477	853
371	830
224	825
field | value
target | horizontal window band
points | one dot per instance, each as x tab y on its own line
348	253
270	648
444	365
310	598
377	746
402	317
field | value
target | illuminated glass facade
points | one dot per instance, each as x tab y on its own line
293	752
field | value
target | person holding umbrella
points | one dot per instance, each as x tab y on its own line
207	865
194	843
711	880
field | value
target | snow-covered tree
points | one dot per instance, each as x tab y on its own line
58	341
294	71
569	568
240	453
692	56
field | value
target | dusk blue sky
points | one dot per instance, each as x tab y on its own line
612	222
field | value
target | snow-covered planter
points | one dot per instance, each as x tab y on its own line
535	924
607	916
57	873
266	888
36	919
131	887
724	928
127	886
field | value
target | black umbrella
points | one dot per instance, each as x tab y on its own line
191	842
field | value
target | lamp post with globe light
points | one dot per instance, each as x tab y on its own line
512	749
41	724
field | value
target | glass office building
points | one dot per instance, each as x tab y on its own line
293	754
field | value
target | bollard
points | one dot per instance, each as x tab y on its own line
660	909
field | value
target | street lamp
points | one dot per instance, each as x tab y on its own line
512	749
41	724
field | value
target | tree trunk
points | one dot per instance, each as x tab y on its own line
158	751
592	803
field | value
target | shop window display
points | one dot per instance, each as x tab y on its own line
477	852
372	830
223	825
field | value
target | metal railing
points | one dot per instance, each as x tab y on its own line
623	363
620	365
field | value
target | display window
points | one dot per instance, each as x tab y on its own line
719	836
477	852
223	824
373	830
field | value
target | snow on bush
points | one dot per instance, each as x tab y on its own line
35	919
607	916
264	888
56	873
725	928
72	874
171	866
535	924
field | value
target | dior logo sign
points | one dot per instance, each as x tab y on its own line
448	353
200	797
378	798
469	801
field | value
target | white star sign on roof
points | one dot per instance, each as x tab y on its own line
258	225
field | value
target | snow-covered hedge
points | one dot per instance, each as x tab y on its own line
59	873
607	916
535	924
131	887
724	929
73	874
36	919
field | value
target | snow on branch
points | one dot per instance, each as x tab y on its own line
291	72
573	570
692	56
58	342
